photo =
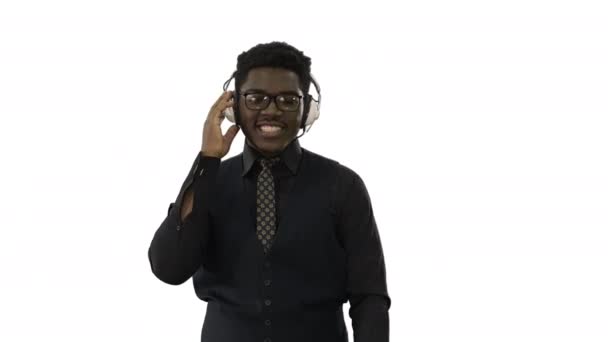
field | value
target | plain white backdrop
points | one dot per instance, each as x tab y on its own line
479	127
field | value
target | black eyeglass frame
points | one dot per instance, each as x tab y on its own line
273	98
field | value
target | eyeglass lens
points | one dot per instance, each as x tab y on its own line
258	101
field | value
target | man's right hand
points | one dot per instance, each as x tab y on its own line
214	143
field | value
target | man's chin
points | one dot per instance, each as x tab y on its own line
268	146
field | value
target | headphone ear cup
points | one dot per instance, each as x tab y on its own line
237	112
306	109
229	114
313	112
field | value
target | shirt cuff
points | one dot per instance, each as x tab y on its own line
204	165
202	169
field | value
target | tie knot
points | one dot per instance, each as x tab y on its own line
268	163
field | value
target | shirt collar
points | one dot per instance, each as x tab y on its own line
290	156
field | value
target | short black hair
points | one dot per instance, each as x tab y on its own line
274	54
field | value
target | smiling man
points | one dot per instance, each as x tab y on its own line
268	92
276	238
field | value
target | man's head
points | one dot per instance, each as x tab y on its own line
272	83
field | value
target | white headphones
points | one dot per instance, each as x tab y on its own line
307	120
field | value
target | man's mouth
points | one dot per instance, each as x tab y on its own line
270	131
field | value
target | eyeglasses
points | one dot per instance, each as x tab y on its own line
284	102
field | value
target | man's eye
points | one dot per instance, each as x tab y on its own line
289	99
257	98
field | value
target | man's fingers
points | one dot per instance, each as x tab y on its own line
230	134
223	102
219	99
225	96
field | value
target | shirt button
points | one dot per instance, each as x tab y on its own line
267	264
267	322
267	339
267	282
178	227
267	302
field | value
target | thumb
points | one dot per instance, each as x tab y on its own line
231	133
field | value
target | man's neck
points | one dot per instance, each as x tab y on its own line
263	154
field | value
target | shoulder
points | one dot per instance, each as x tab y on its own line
344	174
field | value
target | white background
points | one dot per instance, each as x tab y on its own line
479	128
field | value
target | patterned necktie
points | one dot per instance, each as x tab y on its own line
265	220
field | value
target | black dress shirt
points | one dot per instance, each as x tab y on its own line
179	249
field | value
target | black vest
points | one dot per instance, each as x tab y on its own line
295	292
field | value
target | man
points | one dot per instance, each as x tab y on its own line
276	238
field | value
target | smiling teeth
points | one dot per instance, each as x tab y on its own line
270	128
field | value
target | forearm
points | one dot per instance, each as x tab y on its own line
370	318
178	247
367	285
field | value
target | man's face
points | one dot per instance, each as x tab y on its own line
271	129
